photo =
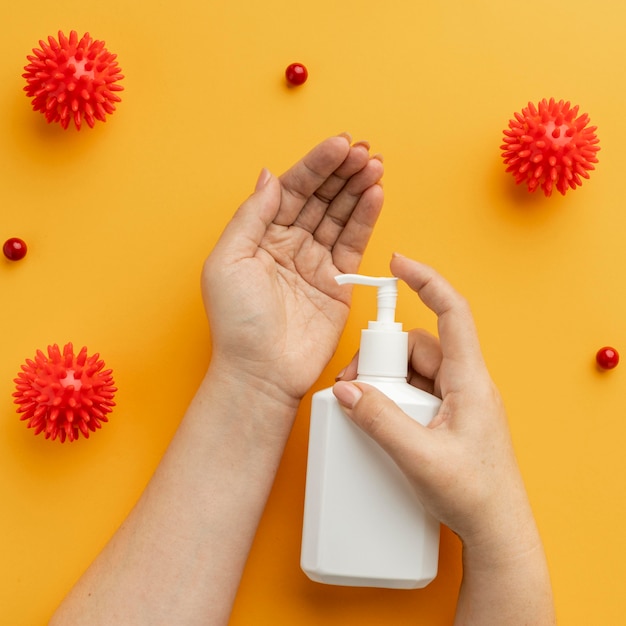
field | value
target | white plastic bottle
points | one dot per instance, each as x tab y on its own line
363	524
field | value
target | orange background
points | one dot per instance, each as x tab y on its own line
118	220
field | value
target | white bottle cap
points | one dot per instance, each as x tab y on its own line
384	346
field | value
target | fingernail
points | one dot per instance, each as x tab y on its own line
347	394
362	143
347	136
378	156
263	179
340	375
397	255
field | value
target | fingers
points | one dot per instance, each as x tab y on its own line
242	235
425	360
341	208
457	331
339	212
352	239
404	439
302	180
316	207
350	371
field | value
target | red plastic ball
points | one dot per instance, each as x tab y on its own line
607	358
296	74
63	395
14	249
72	80
548	146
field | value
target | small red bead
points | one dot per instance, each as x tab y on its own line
607	358
14	249
296	74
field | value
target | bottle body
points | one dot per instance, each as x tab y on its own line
363	524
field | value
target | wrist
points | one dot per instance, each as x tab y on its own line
264	377
255	400
505	576
505	536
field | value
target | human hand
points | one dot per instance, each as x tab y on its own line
275	310
462	464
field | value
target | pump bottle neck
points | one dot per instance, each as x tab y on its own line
383	353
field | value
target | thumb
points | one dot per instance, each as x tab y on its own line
404	439
243	234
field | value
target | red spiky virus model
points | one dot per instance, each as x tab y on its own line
550	146
72	80
63	394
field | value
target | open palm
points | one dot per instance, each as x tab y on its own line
275	310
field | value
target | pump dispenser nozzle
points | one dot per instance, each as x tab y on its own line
387	296
384	347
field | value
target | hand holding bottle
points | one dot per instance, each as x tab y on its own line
449	462
462	465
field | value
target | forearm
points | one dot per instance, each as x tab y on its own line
179	556
505	579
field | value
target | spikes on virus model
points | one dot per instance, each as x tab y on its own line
72	80
550	146
63	395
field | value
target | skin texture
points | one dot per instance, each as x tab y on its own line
276	315
462	465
